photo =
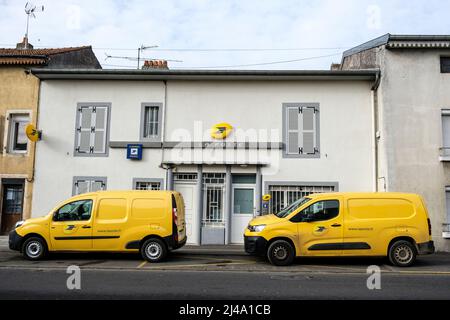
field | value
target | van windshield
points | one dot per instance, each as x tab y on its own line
292	207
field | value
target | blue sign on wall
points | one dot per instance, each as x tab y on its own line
134	151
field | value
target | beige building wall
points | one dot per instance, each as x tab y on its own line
19	92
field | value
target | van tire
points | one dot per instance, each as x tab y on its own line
280	253
34	248
154	250
402	253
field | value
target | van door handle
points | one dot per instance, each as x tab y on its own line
86	227
336	225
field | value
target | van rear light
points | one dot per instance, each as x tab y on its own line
429	226
175	215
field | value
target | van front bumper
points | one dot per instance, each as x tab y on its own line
15	241
426	248
255	245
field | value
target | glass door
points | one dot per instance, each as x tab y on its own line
243	210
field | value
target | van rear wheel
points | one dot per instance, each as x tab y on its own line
280	253
402	253
154	250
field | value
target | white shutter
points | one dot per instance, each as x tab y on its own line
292	134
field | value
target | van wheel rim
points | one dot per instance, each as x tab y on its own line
280	253
153	251
34	249
403	254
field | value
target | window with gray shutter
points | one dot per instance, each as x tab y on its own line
88	184
301	130
151	122
91	136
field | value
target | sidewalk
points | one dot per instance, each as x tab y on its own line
225	250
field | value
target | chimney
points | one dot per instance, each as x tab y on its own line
155	65
336	67
24	45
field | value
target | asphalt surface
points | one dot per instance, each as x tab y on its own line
220	273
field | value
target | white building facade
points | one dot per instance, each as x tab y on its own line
294	133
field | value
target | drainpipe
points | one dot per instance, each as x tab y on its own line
258	192
228	205
199	201
376	128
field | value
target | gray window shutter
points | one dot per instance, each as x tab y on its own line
97	185
446	130
81	186
292	130
309	144
84	129
99	135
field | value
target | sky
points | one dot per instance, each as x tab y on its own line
220	34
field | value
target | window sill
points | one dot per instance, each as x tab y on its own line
444	158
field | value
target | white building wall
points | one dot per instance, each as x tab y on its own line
346	130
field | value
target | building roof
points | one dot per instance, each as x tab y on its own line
173	74
13	56
392	41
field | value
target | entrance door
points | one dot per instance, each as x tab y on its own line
243	210
12	208
190	211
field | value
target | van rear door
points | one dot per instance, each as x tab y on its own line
178	217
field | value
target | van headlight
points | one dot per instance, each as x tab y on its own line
18	224
258	228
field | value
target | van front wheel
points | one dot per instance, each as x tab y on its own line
280	253
402	253
34	248
154	250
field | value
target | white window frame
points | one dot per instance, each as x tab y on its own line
9	135
136	181
145	123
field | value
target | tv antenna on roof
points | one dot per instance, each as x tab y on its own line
30	10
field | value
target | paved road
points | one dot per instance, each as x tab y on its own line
217	273
123	284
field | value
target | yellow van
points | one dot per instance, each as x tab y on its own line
151	222
395	225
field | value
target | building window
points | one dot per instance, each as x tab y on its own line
445	149
301	130
283	195
445	64
92	130
88	184
13	199
18	142
185	177
151	122
147	184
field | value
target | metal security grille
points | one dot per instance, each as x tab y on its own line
282	196
185	177
148	185
213	197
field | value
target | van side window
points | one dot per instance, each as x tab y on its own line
74	211
319	211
